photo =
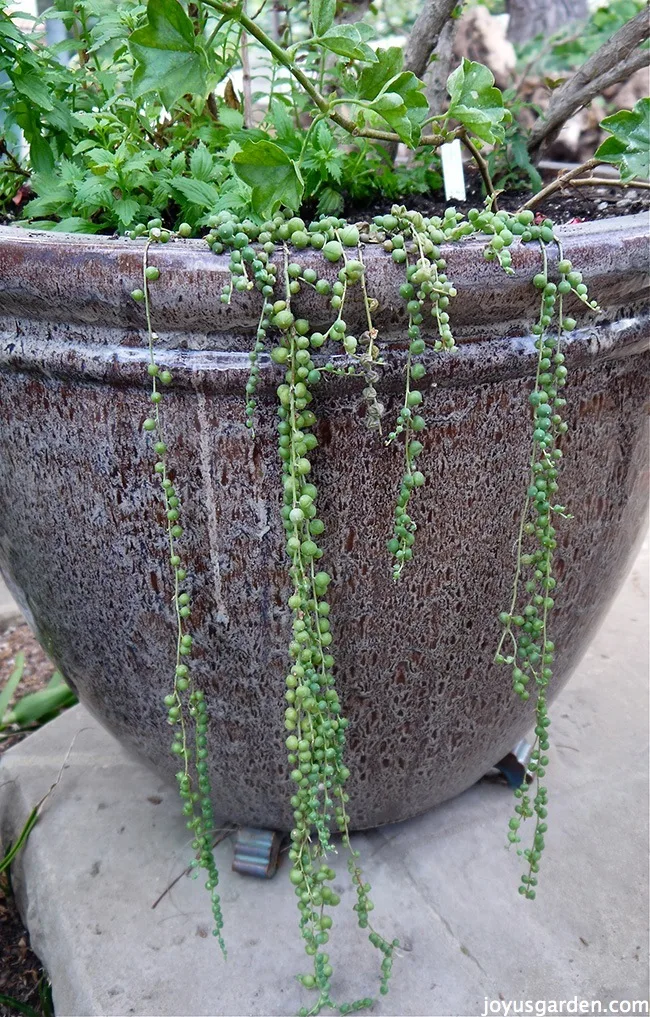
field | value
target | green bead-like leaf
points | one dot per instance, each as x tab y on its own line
274	178
171	60
322	15
629	144
476	103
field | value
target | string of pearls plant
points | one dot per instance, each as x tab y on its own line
266	257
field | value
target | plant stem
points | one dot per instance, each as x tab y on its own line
483	169
236	14
559	182
609	182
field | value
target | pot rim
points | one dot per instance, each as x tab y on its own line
66	309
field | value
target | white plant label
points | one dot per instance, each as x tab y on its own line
453	172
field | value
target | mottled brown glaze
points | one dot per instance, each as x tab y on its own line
82	548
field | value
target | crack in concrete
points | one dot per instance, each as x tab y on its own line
431	906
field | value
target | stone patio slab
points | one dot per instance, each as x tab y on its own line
111	839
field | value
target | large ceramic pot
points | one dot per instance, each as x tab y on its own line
83	550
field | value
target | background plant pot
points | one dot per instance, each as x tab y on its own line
83	550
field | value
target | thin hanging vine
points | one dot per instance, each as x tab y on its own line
186	706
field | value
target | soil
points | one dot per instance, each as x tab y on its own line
575	204
21	973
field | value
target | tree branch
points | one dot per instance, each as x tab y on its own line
617	59
424	34
528	18
559	183
642	185
438	70
14	165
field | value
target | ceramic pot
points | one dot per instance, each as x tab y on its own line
83	549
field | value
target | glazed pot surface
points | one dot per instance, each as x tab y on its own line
82	543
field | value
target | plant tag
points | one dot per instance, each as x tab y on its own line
453	172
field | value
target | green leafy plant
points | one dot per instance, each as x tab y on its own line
34	708
11	684
629	145
37	708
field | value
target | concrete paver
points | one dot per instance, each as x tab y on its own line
111	839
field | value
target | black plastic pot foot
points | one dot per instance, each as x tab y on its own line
256	852
513	767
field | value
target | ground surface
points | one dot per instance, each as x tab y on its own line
110	841
21	972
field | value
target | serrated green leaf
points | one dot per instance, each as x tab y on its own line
87	121
198	192
233	196
521	158
285	128
475	102
106	32
201	163
126	210
349	41
322	15
136	161
373	79
83	146
330	202
34	88
629	144
403	105
274	178
94	191
171	59
60	118
233	148
101	157
8	30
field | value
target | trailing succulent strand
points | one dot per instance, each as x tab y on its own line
316	728
525	625
267	257
186	706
